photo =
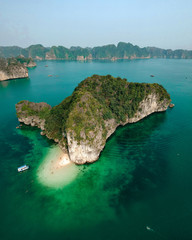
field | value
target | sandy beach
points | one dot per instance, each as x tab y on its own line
56	170
59	162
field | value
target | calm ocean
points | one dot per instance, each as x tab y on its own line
142	178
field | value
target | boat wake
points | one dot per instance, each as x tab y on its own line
156	232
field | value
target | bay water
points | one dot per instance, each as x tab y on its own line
143	177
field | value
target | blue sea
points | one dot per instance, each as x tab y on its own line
142	179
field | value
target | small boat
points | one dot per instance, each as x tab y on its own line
22	168
152	75
46	65
149	229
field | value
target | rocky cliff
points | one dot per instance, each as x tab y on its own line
13	68
86	151
30	64
82	122
13	72
33	114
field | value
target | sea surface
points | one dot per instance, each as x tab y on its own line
142	178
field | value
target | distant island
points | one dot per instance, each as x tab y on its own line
107	52
83	122
15	67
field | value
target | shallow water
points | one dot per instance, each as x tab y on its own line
142	178
51	174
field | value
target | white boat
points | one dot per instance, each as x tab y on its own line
22	168
149	229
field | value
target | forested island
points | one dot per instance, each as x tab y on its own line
82	122
15	67
107	52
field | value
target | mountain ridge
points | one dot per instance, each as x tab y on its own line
107	52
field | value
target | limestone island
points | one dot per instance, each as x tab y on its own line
83	122
13	68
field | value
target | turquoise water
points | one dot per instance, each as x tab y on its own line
142	178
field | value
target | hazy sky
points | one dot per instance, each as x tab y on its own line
87	23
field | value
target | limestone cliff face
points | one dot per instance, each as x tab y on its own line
32	114
84	152
149	105
31	64
13	72
50	56
33	121
13	68
82	58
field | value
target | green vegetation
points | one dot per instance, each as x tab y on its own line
36	50
96	99
23	60
86	112
26	108
7	52
43	113
7	64
121	51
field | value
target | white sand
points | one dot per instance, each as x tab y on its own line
64	161
56	169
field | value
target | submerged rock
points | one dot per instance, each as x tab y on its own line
171	105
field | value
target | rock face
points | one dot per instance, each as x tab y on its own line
50	56
32	114
87	153
33	121
81	123
13	68
171	105
148	106
30	64
84	152
13	72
